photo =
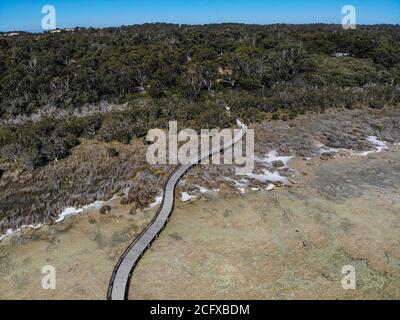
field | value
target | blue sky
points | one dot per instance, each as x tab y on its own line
26	14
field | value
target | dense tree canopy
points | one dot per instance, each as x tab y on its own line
188	73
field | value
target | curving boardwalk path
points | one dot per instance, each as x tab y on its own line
119	284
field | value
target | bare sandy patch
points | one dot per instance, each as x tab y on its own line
83	249
290	243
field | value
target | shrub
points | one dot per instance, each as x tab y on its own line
112	152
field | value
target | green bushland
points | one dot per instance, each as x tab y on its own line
187	73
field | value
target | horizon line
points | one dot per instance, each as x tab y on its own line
198	25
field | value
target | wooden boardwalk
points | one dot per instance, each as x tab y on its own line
120	280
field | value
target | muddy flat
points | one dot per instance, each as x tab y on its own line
291	243
288	243
83	249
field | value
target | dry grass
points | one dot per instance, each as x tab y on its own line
91	173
